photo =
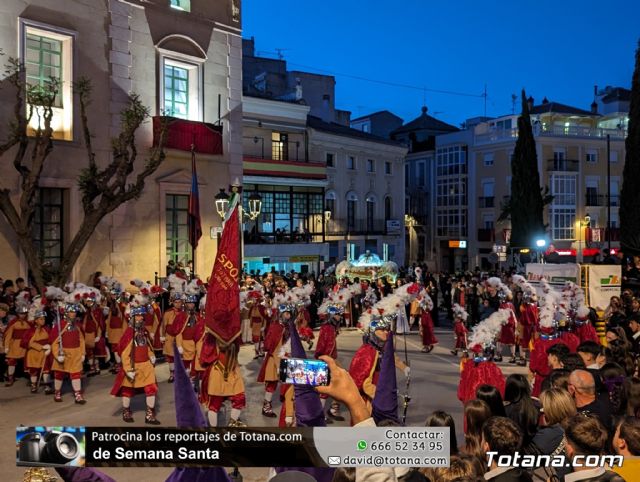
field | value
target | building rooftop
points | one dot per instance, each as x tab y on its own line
617	94
374	114
557	108
425	122
342	130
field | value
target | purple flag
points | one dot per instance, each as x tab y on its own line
308	409
385	401
189	415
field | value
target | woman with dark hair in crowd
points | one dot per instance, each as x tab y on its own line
491	395
558	378
443	419
520	407
614	314
614	379
633	397
621	355
573	361
476	413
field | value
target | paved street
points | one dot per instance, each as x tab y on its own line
433	386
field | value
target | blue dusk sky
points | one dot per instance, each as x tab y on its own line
559	49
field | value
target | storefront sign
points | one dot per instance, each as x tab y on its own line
304	259
462	243
393	225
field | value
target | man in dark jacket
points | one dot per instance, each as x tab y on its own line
502	437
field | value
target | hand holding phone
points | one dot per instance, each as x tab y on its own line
301	371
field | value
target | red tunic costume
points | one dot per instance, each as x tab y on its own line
93	327
474	374
365	371
188	331
15	331
259	320
461	334
222	377
73	347
527	319
302	324
571	340
33	342
137	354
426	325
539	364
271	364
327	343
586	332
116	324
508	330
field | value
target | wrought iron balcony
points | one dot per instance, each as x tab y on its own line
181	134
563	165
486	201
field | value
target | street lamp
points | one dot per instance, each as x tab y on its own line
255	205
222	203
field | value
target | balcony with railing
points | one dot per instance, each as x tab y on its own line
289	159
486	235
341	227
486	201
506	135
282	237
563	165
182	134
599	200
577	131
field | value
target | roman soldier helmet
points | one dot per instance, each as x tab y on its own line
38	308
193	291
22	303
381	315
73	302
138	310
176	285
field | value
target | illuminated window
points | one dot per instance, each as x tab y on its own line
279	146
43	62
181	86
176	91
47	53
184	5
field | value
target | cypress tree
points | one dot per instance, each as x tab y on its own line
630	194
526	203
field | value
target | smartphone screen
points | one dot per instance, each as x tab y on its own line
300	371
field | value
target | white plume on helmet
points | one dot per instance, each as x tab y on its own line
339	298
54	293
459	312
175	284
391	304
486	332
37	308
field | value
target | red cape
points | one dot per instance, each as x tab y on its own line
475	374
587	332
178	321
274	336
24	343
571	340
428	336
362	364
327	342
